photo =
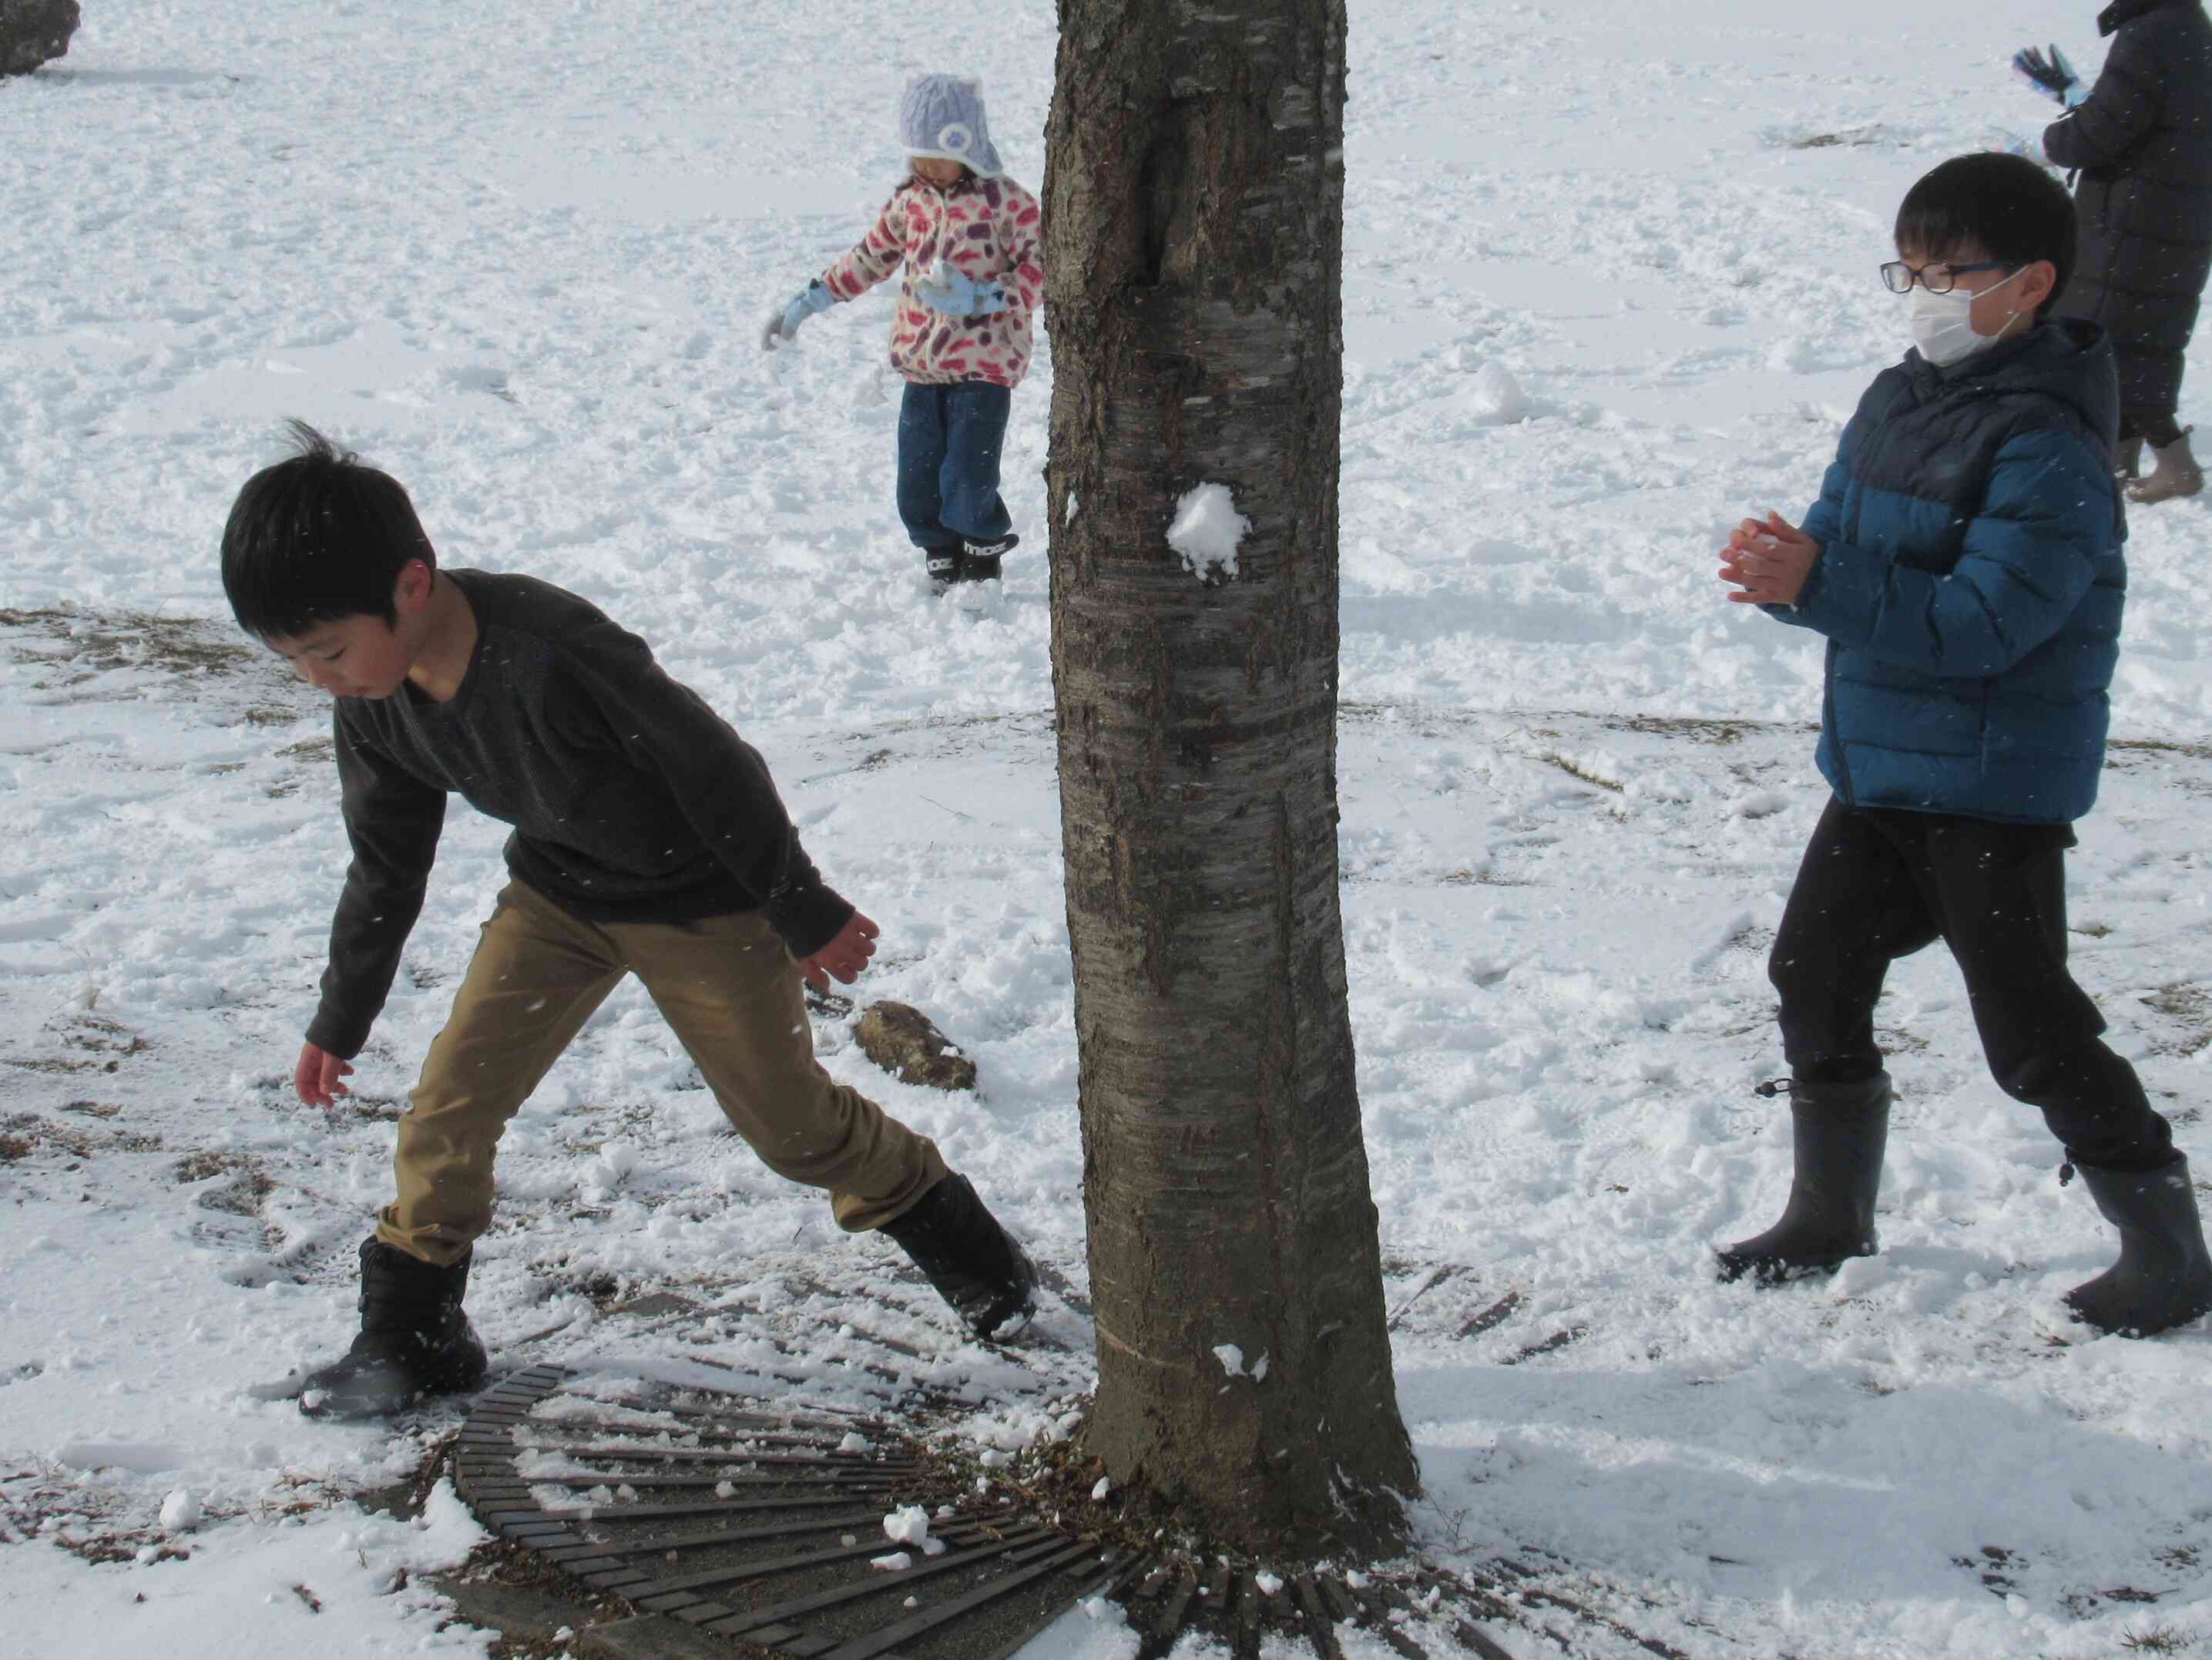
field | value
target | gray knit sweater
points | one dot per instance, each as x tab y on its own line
632	801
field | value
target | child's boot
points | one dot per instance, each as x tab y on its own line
415	1341
981	563
1841	1130
945	566
2177	474
974	1263
2163	1278
2127	458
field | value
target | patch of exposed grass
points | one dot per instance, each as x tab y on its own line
2158	746
1698	732
26	1132
1574	769
97	645
2159	1639
2191	1006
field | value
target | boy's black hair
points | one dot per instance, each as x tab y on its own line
318	538
2005	203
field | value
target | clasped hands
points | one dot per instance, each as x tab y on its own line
1768	560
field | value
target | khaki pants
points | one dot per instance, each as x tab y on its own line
730	991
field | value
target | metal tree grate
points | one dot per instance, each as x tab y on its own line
752	1521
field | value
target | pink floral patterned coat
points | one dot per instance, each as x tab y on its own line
990	228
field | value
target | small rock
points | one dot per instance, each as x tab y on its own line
35	32
901	1039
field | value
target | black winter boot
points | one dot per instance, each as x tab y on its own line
1841	1130
2177	474
974	1263
413	1340
2164	1278
2127	458
945	566
981	561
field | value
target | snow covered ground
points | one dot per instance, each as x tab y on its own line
519	254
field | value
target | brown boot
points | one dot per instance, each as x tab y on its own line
2178	474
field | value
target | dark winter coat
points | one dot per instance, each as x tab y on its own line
1970	582
2143	141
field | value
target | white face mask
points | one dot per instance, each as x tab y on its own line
1943	324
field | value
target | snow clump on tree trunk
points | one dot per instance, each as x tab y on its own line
1206	530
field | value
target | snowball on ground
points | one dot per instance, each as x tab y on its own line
181	1511
909	1525
1207	529
1498	397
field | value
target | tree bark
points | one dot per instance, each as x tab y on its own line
1193	207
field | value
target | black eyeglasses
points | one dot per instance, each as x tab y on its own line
1937	279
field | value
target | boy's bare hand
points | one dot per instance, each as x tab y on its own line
1768	560
317	1076
844	957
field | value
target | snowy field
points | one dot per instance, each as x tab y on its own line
519	254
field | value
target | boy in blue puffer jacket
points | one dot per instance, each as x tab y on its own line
1963	561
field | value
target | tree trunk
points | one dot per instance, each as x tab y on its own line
1194	208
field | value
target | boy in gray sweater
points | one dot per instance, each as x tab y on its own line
649	840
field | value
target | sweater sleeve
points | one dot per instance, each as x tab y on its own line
2121	109
1022	236
611	693
394	820
2026	563
873	258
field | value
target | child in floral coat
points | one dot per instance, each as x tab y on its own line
967	243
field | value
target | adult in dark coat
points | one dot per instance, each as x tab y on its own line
2140	145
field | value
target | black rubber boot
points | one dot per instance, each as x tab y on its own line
2163	1279
945	566
415	1341
1841	1130
979	563
2127	460
974	1263
2177	474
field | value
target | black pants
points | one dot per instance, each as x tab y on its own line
1876	885
2158	428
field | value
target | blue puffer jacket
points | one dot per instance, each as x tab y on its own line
1970	582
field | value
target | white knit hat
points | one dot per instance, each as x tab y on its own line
941	117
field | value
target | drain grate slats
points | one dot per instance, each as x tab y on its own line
762	1528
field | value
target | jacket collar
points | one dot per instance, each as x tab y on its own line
2126	11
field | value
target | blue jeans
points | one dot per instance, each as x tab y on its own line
949	439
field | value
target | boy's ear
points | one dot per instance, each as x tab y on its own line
2037	282
411	592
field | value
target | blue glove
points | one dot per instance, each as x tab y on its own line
958	294
2052	76
783	322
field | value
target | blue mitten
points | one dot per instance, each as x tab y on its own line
2052	76
783	322
958	294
